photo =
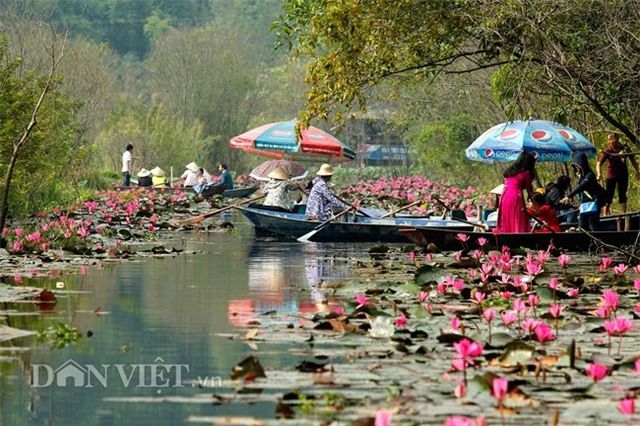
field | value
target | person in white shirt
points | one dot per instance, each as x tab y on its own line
191	176
126	166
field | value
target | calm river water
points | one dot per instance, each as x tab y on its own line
151	319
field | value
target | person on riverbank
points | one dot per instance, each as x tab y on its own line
554	193
616	154
126	165
321	200
144	178
588	189
159	178
546	215
279	190
512	214
191	175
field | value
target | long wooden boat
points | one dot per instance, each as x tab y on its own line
229	193
449	239
290	226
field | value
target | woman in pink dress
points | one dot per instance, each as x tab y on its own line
512	214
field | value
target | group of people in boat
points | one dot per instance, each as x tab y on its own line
194	176
550	206
320	201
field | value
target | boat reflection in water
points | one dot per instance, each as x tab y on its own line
288	279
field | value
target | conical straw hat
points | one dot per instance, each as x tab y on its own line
279	174
157	171
325	170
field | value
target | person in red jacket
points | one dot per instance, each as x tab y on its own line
544	213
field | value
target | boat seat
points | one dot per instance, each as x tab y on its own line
300	209
486	213
270	208
459	214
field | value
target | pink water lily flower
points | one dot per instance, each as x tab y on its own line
573	292
556	310
401	321
620	269
544	333
383	418
564	260
627	406
508	318
462	237
597	372
455	323
422	296
605	263
499	388
482	241
618	327
554	283
489	314
412	256
611	299
460	390
362	300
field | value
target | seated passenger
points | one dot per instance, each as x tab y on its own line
544	213
554	193
191	175
159	179
279	190
144	179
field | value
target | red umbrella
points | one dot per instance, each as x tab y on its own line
279	140
293	169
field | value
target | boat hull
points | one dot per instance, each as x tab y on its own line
290	226
445	239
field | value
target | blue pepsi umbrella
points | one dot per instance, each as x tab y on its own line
545	140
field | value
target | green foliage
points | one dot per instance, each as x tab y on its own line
59	335
159	139
46	163
578	58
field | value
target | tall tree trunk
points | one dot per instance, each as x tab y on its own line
17	146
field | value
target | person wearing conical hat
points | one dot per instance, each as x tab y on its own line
279	190
159	178
321	200
191	175
144	179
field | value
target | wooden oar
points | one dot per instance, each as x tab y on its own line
415	203
468	222
320	227
353	207
202	217
442	203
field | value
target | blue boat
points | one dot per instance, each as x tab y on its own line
280	224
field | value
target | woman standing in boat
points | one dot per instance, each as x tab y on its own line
512	214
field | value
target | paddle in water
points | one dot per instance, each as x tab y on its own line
202	217
322	225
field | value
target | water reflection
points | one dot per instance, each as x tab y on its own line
275	280
173	308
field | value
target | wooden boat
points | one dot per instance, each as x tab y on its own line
281	224
230	193
448	239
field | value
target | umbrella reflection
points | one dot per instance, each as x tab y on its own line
287	283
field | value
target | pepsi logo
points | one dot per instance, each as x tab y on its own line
509	134
542	136
488	153
568	135
534	154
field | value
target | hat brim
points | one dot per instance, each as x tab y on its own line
497	190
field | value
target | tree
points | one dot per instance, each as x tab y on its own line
21	99
577	58
158	137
